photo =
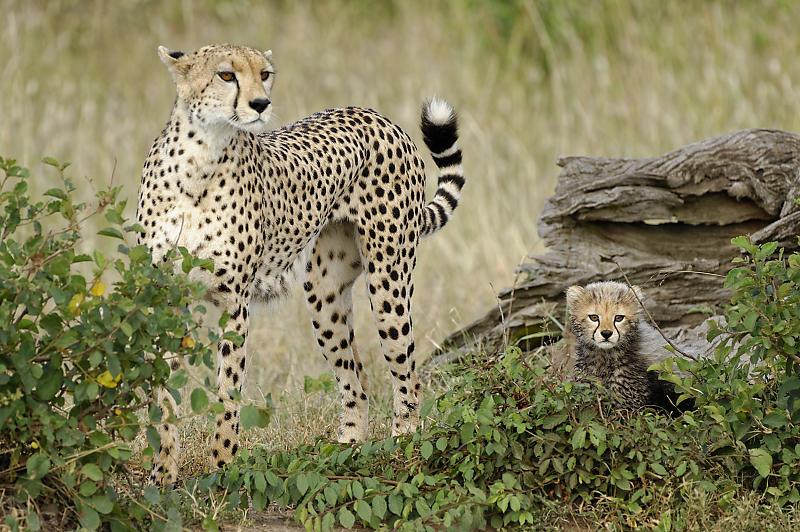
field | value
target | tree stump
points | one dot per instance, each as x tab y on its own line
667	222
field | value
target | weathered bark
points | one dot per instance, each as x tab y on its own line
666	222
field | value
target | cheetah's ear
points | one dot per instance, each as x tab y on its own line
268	56
574	294
175	61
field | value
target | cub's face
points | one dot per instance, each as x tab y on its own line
224	85
603	313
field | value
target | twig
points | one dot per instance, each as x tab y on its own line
710	274
502	317
650	316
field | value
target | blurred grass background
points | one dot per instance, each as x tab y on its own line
531	80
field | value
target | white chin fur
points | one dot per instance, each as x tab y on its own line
255	126
439	111
605	345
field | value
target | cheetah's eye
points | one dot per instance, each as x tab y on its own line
594	317
618	318
265	75
226	76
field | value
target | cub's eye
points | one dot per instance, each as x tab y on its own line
226	76
618	318
265	75
594	317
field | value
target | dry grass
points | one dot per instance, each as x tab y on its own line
80	80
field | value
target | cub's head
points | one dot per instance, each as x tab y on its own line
603	314
223	85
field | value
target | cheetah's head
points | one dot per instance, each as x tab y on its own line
223	85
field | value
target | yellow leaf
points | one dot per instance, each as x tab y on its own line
105	379
76	300
98	289
35	445
187	342
117	411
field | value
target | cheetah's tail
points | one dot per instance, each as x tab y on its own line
440	131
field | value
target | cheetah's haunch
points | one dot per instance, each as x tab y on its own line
342	189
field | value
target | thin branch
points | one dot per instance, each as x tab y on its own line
650	316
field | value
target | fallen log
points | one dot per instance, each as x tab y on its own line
666	222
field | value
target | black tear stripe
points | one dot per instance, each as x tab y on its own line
236	100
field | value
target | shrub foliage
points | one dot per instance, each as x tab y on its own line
507	443
79	362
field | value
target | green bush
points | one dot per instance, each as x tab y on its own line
510	442
749	393
507	444
79	363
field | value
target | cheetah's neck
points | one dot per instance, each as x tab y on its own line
198	152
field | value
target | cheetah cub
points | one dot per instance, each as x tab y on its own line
338	193
614	346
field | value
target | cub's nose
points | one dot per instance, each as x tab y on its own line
606	334
259	104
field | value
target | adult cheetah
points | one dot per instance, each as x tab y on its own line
339	192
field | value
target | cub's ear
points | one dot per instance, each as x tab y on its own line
638	292
177	62
574	294
267	55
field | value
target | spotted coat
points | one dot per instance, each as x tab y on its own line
326	198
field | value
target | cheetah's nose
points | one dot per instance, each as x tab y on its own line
606	334
259	104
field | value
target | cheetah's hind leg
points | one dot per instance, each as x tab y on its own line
332	269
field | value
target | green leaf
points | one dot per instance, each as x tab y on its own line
658	469
302	483
38	465
762	461
743	242
750	319
56	193
578	438
426	449
272	478
102	504
346	518
379	506
254	417
364	510
89	518
153	438
92	472
328	520
260	481
110	231
152	495
396	503
209	524
199	400
331	495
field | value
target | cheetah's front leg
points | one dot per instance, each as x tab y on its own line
231	362
165	463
